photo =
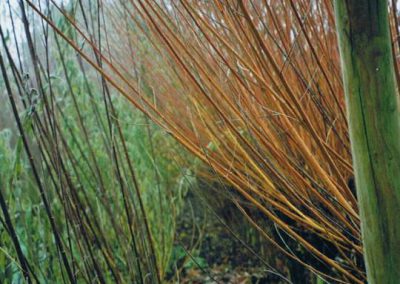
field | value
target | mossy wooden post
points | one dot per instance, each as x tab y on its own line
374	121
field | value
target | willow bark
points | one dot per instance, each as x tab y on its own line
374	120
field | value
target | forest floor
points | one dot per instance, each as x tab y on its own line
210	253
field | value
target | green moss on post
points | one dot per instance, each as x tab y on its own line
374	120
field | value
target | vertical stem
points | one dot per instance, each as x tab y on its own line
374	121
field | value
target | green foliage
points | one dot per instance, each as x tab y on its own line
86	139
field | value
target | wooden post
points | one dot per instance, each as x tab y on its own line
374	121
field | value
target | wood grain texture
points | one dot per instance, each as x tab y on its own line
373	115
